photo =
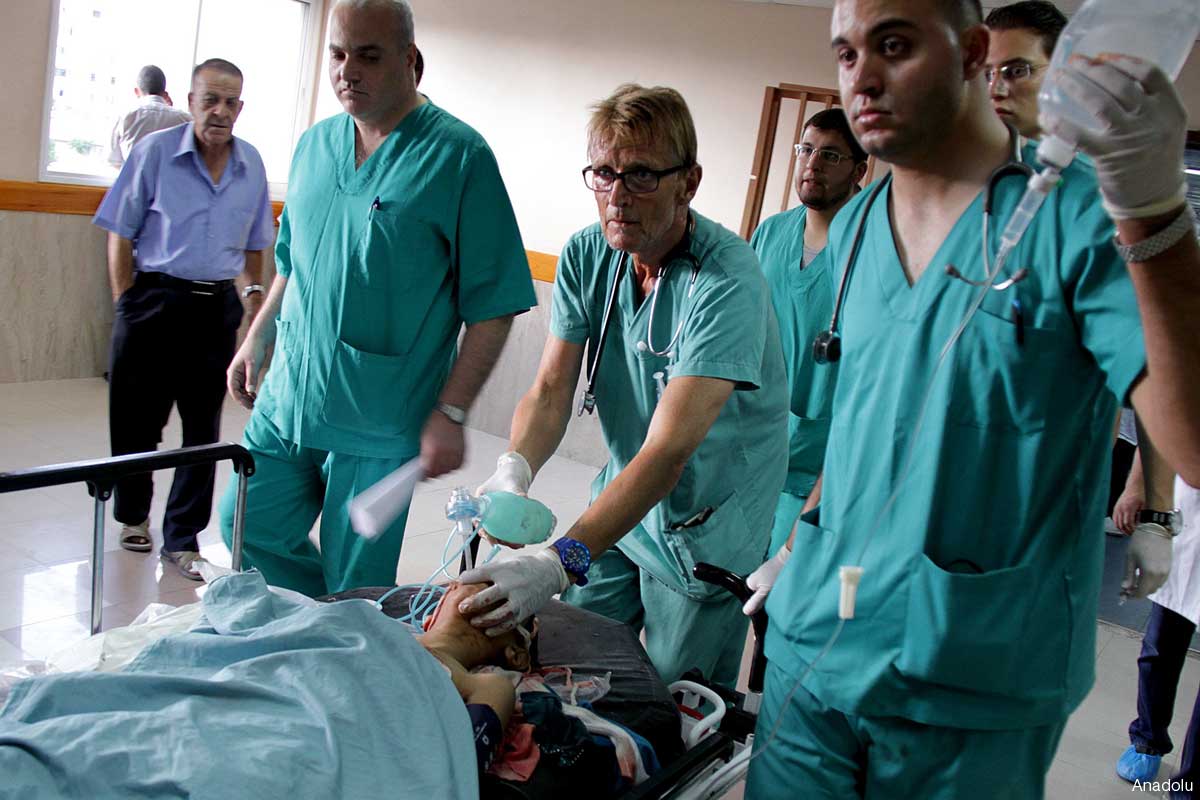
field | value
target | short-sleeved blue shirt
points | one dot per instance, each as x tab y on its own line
181	223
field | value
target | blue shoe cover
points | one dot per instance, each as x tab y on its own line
1134	766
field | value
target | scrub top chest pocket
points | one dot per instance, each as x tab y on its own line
1000	364
395	275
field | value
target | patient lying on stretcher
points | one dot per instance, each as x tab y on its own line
267	697
461	647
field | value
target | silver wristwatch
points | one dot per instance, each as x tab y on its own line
1160	242
1172	520
453	413
254	288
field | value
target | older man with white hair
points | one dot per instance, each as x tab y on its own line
397	231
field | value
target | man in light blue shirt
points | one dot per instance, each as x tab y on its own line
192	202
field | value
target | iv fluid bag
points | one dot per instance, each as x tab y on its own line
1159	31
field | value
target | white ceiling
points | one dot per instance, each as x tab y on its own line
1068	6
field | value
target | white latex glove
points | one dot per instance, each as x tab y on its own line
763	578
521	586
1139	155
1148	561
512	475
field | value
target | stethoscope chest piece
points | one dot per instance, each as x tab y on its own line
827	347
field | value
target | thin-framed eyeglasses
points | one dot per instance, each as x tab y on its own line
830	157
642	180
1012	72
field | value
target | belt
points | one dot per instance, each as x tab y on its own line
165	281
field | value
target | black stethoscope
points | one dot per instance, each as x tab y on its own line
587	401
827	347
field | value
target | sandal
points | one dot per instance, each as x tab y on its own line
137	537
185	562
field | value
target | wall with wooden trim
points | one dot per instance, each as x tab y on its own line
56	307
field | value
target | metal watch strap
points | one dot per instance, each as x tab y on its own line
1165	518
1160	242
453	413
254	288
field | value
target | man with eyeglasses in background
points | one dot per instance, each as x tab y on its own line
1023	36
830	164
687	374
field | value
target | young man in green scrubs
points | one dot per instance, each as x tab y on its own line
397	230
970	488
791	249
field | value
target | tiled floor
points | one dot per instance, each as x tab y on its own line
45	544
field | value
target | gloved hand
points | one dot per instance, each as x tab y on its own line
763	578
1139	155
521	586
1148	561
512	475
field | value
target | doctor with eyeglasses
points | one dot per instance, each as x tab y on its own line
669	319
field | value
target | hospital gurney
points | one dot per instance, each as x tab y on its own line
692	750
690	747
102	474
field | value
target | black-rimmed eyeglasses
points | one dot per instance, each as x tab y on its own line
1012	72
830	157
637	181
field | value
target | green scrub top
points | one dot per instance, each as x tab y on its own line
729	332
977	606
803	301
384	265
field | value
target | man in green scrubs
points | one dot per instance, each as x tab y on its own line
970	488
691	391
791	249
397	231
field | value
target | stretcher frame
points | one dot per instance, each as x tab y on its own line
101	476
719	745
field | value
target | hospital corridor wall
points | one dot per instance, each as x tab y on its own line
522	72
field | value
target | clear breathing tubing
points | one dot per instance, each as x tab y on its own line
463	509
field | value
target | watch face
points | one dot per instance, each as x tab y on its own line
575	555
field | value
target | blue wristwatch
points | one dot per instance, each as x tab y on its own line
576	558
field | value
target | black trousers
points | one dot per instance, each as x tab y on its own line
1164	652
170	347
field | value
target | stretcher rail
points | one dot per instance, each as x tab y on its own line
102	474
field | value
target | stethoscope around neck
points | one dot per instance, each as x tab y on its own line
587	401
827	347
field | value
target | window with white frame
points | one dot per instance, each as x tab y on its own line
102	44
